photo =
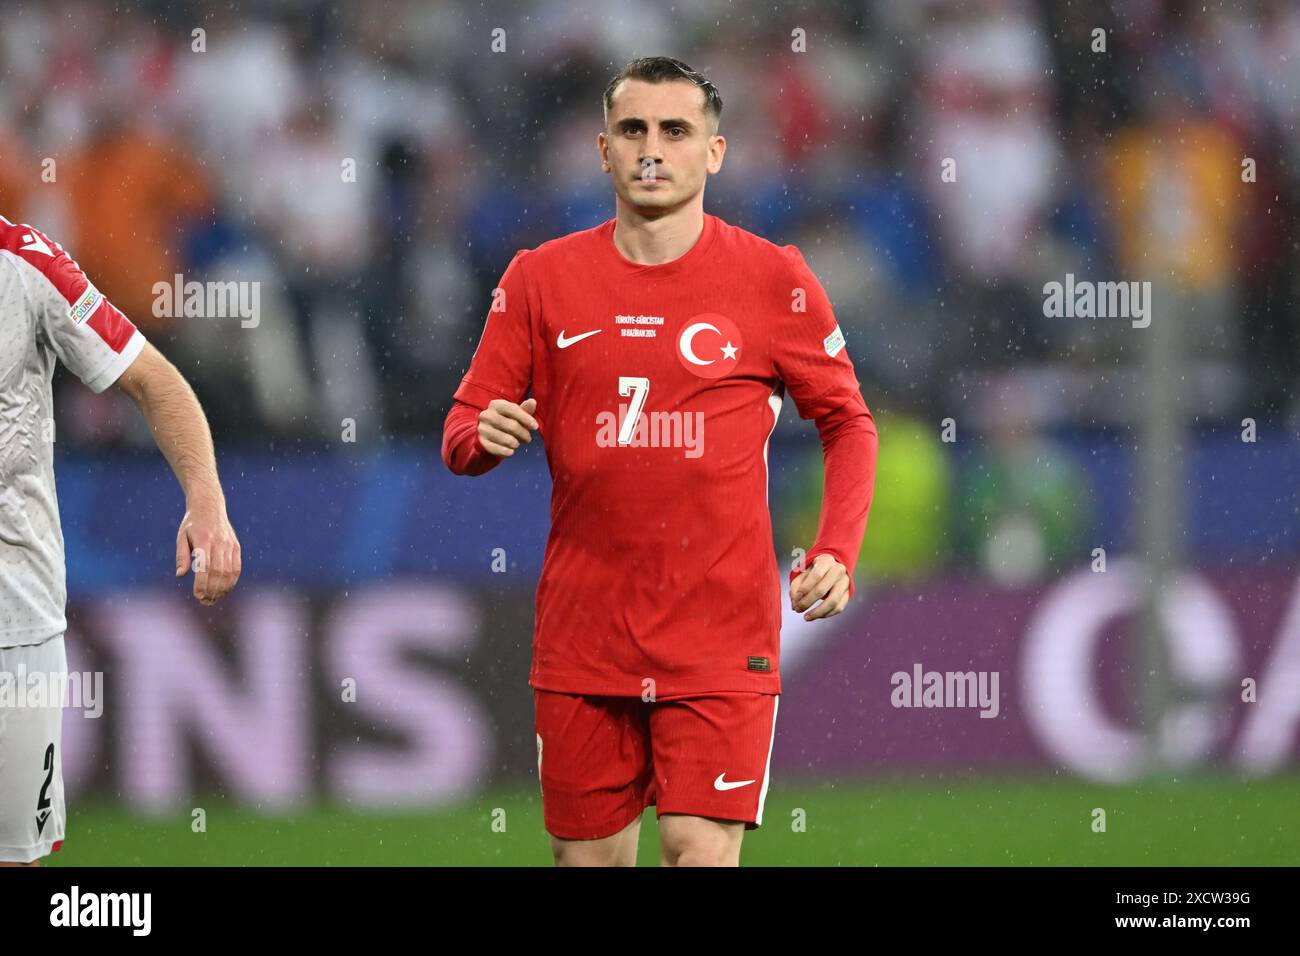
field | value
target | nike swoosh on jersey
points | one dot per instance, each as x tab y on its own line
721	784
564	343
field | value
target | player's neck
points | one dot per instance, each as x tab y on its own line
653	242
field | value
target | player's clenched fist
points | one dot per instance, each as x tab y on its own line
207	544
826	581
503	425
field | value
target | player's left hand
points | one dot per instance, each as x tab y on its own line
826	581
207	542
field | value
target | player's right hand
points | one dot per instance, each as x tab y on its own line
206	543
503	425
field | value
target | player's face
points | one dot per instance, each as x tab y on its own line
659	145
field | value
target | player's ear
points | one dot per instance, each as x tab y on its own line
717	150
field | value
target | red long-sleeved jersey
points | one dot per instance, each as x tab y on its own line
657	389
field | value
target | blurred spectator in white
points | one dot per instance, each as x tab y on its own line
313	203
984	97
241	90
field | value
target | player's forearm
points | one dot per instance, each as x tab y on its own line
461	450
180	430
849	443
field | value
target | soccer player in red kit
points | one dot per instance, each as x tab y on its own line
658	347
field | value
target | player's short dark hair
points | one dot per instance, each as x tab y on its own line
662	69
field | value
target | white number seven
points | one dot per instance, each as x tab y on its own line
637	388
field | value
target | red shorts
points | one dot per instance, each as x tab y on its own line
603	760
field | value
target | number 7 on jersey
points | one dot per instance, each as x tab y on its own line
637	387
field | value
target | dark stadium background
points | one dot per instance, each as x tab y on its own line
367	560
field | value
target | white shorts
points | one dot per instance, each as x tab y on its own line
32	814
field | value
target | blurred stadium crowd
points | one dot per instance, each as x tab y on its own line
230	164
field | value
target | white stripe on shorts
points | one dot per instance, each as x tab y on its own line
767	770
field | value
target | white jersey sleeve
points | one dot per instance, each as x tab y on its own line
88	334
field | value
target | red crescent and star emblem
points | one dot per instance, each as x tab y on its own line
709	345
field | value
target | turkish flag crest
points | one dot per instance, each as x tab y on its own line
709	345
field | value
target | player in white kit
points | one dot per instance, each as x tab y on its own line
50	311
